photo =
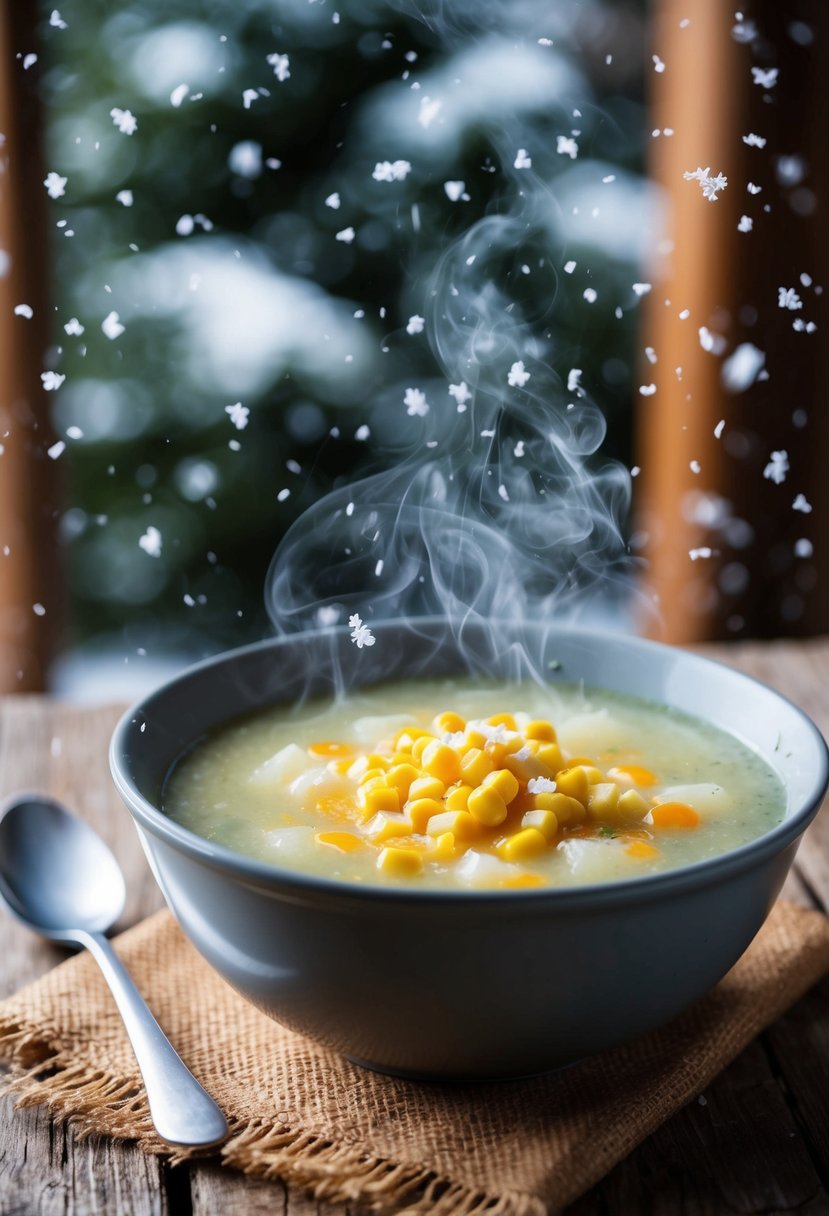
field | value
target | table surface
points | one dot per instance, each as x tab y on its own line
756	1141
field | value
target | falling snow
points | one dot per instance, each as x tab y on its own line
455	191
569	267
281	65
73	327
642	289
566	146
801	503
415	325
429	110
56	450
754	141
151	542
523	160
517	376
658	65
333	201
124	197
766	80
391	171
361	635
701	553
803	547
24	310
112	326
346	235
590	294
742	367
55	184
461	394
124	120
777	467
51	381
415	402
647	390
573	379
56	21
788	298
249	96
746	224
238	415
178	94
711	186
752	189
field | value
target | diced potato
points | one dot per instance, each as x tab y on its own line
290	845
591	733
704	796
588	859
283	767
483	870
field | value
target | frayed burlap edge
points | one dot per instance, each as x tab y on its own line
93	1101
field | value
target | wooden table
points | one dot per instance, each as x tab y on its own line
756	1141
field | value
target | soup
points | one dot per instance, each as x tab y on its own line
450	784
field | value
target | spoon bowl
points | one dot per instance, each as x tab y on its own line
59	878
55	871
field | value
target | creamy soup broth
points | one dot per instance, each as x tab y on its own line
563	787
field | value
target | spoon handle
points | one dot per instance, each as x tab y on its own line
182	1112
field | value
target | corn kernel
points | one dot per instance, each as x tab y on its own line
441	761
529	842
474	739
346	842
603	799
540	729
487	806
421	810
504	782
567	810
419	746
385	825
402	863
550	754
502	720
475	765
449	723
445	847
401	776
546	823
574	783
426	787
497	753
525	767
633	805
379	798
595	776
458	797
406	736
460	823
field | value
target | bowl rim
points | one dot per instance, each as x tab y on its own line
295	883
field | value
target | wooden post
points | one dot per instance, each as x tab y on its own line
28	582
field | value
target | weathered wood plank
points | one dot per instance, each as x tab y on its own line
217	1190
46	1171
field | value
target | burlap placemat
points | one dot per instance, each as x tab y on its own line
302	1114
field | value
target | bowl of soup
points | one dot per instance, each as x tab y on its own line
468	854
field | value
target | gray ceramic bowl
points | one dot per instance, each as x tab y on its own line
460	984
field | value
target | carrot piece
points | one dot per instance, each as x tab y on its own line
675	815
324	748
636	773
642	851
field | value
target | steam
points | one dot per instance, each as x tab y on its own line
496	510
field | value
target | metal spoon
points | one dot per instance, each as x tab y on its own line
59	878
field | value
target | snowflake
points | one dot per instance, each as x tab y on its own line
111	326
429	110
565	146
752	189
573	378
711	186
803	547
362	433
24	310
415	325
519	449
361	635
391	171
647	390
281	65
590	294
238	415
766	80
73	327
178	95
249	96
454	191
125	120
56	450
746	224
658	65
517	376
57	21
801	326
777	467
461	394
55	184
503	493
333	201
569	267
715	344
802	504
124	197
346	235
642	289
51	381
787	297
754	141
415	402
703	551
150	542
523	160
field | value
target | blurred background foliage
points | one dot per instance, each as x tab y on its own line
225	269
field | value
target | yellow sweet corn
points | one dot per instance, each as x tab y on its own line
441	761
445	847
633	805
504	782
550	754
401	776
602	799
385	826
378	798
544	821
574	783
458	797
461	824
541	730
487	806
421	810
502	720
402	863
475	765
567	810
529	842
449	723
427	787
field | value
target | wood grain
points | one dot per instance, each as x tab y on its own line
757	1141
